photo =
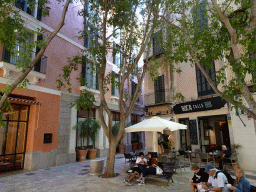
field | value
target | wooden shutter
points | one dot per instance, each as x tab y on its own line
38	64
83	70
159	89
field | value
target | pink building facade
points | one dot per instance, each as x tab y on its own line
43	115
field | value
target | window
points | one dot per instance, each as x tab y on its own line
90	75
116	117
135	137
159	89
92	28
199	17
33	10
82	115
117	56
203	87
157	43
20	50
25	6
93	35
115	86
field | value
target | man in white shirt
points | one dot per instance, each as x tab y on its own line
137	169
214	183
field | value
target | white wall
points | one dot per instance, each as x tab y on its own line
245	136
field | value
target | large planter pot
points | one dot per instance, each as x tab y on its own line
81	154
121	148
92	153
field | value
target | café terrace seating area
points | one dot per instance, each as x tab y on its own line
182	158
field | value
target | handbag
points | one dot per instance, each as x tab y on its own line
159	171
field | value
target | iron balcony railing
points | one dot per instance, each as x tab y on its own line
158	97
40	66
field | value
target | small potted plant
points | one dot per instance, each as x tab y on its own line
235	147
81	151
93	131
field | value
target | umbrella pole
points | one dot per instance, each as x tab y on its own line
155	142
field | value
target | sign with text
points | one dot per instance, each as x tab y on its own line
199	105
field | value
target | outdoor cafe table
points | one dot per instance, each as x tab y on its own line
214	156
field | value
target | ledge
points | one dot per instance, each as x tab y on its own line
10	71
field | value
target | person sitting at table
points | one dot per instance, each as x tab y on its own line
199	176
240	184
225	157
150	168
137	169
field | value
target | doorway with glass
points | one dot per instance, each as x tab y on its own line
13	138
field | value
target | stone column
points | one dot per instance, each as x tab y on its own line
99	143
72	140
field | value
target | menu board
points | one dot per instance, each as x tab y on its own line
193	132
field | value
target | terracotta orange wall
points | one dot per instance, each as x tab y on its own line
48	121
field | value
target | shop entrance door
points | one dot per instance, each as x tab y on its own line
225	134
13	138
204	135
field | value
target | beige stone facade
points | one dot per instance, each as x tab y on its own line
208	129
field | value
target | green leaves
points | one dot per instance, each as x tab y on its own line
84	101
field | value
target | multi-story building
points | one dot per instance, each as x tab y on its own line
39	132
211	121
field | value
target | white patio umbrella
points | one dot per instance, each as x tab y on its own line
155	124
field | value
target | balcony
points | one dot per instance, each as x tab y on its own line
8	62
159	97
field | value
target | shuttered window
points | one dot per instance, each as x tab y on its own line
159	89
203	87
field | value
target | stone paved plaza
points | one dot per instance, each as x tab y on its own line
75	177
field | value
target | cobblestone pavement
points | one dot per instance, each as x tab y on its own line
75	177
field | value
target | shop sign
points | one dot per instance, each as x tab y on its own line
199	105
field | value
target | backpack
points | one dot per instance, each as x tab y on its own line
230	179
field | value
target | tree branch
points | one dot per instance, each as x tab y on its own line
23	75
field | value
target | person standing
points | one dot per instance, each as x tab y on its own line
240	184
199	176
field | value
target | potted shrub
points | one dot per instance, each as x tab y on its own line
94	127
81	152
235	147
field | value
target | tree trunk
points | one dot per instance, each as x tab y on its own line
109	170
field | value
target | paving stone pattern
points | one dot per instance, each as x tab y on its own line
75	177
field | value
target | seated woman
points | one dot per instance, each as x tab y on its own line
150	168
137	169
240	184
